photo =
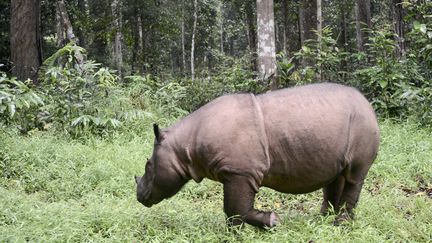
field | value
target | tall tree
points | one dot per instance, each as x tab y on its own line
82	6
286	30
183	38
116	8
363	20
319	20
266	41
398	25
221	25
308	20
319	34
100	13
251	33
5	36
64	27
26	54
195	20
137	33
343	25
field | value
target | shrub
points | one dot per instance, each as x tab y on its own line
18	103
74	88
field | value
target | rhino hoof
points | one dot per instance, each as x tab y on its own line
274	219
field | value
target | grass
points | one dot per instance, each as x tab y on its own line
56	189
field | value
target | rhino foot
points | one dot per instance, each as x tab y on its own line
274	220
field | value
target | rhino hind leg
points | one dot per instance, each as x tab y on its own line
332	195
239	198
354	179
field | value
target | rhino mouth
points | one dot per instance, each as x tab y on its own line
144	193
145	198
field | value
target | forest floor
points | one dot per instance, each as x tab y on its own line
54	188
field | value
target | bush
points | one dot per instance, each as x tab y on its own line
18	103
317	62
78	92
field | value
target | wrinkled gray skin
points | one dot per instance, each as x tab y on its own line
293	140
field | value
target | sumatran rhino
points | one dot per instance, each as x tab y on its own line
294	140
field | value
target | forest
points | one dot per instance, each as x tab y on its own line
82	82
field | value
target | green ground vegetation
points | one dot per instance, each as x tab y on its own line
56	188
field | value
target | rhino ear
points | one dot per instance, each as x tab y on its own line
158	133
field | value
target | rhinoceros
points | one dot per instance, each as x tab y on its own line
294	140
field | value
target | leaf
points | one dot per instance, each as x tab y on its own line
423	28
383	83
11	108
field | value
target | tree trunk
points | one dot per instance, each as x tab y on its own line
65	32
221	26
319	36
183	39
82	6
343	35
193	39
308	20
398	25
137	63
251	34
116	6
363	20
319	22
343	41
25	42
266	42
286	39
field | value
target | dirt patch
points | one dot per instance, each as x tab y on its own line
421	191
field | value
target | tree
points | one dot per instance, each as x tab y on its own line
26	53
195	14
64	27
266	41
290	26
118	39
251	33
319	20
4	35
363	20
183	39
343	37
398	25
82	6
308	20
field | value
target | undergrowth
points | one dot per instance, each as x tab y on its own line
57	188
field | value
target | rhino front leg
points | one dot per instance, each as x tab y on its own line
239	198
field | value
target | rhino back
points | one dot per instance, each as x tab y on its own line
313	132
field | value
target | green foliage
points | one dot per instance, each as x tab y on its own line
235	77
178	97
319	61
397	87
384	81
420	36
74	88
18	102
149	93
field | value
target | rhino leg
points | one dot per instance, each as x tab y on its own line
239	198
332	194
354	179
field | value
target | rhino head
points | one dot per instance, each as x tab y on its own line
163	175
